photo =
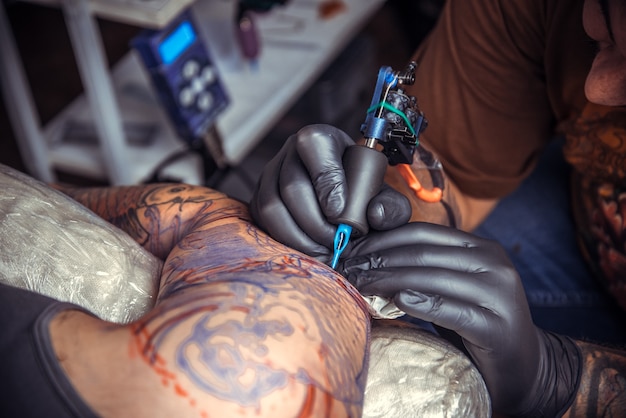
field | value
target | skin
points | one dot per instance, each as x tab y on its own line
606	25
605	85
248	327
468	211
602	391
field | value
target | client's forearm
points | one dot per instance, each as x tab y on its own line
602	391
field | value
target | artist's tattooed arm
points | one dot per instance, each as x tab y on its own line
602	391
157	216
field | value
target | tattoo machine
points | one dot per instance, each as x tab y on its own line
393	122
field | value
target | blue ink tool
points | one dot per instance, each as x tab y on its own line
393	122
342	236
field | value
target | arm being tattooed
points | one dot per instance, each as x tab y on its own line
602	391
157	216
243	326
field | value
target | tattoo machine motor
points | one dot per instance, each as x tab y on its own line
394	122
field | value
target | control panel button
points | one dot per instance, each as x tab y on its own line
205	101
186	97
190	69
208	74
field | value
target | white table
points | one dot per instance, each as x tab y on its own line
296	47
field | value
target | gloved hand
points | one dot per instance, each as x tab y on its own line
468	285
303	189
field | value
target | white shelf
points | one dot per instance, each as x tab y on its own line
291	61
138	106
297	45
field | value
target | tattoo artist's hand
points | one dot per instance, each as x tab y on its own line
303	189
468	285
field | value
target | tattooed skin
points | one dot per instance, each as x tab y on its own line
596	148
602	391
239	317
251	288
157	216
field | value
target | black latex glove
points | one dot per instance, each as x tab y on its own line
468	285
303	189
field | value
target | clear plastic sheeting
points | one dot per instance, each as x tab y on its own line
383	308
52	245
415	373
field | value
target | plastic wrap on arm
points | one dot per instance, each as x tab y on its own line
414	373
52	245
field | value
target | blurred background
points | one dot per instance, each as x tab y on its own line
339	95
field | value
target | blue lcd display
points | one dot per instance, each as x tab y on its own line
176	42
